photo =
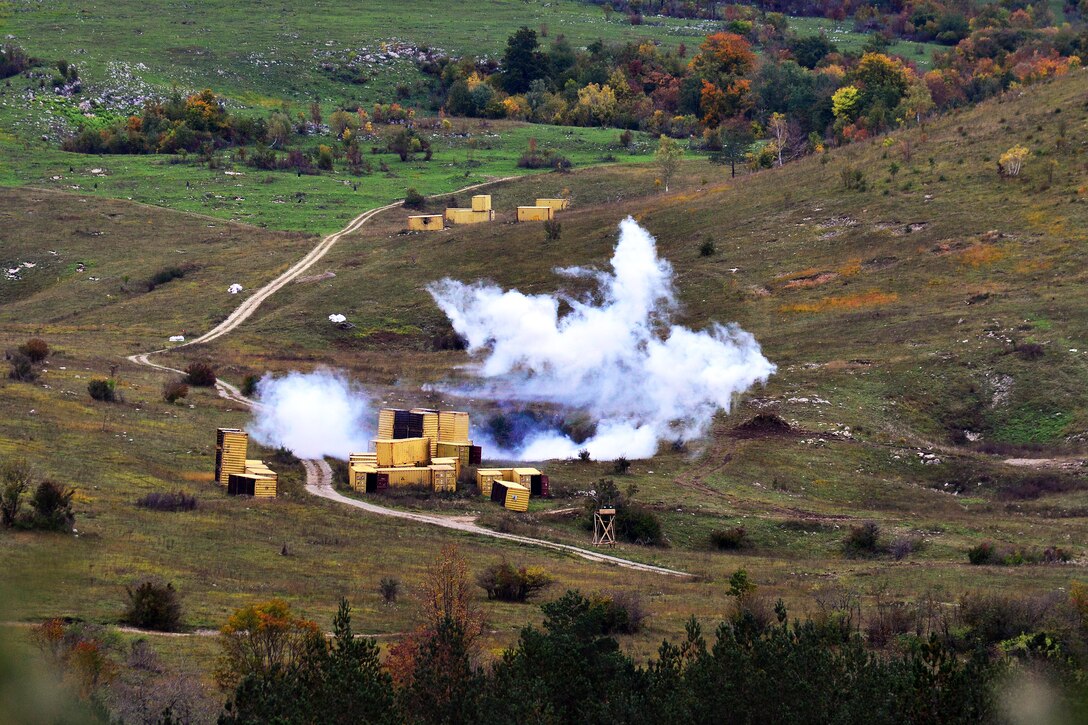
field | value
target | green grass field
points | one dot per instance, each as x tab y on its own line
847	40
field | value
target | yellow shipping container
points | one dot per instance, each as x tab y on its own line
513	496
403	452
555	204
357	475
535	213
485	477
231	445
430	427
468	216
481	202
453	426
408	476
385	423
524	476
248	484
455	462
443	478
426	223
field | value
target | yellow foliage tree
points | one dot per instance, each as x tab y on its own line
261	637
1012	161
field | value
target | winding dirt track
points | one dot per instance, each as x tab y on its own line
318	471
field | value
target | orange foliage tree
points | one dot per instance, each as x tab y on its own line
262	637
723	57
446	599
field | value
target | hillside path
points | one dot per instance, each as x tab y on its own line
318	471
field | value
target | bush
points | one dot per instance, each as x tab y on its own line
36	349
583	455
639	526
553	229
863	540
16	476
620	612
389	588
853	179
621	465
904	546
506	583
52	504
174	390
984	553
175	501
200	375
104	390
1030	350
249	385
152	605
22	368
414	200
707	248
729	539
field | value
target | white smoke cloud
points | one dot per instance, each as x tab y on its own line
312	414
618	357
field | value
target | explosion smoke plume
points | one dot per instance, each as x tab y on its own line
312	414
618	358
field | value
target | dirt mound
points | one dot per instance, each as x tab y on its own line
763	425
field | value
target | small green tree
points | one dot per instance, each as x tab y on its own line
152	605
52	504
15	480
667	157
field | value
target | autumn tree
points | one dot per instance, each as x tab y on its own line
446	604
667	157
261	638
722	58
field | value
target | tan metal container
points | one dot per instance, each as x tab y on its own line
231	445
426	223
453	426
555	204
408	476
481	202
385	423
443	478
403	452
535	213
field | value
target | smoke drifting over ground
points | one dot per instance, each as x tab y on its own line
312	414
617	357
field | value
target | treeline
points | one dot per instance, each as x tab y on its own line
725	84
572	670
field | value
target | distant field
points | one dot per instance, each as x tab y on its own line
260	53
842	34
473	151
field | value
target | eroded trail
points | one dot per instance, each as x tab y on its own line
318	472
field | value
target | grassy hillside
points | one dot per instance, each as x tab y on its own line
938	300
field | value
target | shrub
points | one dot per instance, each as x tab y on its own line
249	385
36	349
863	540
553	229
52	504
104	390
983	553
507	583
200	375
707	248
389	588
152	605
171	501
1030	350
904	546
621	465
413	199
639	526
619	612
1056	555
22	368
583	455
729	539
15	480
626	138
853	179
174	390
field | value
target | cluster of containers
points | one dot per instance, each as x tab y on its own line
481	211
511	487
241	476
429	449
418	447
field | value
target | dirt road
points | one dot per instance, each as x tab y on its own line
318	472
